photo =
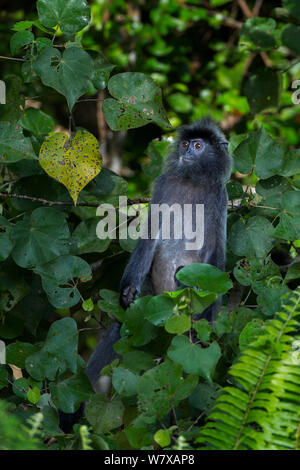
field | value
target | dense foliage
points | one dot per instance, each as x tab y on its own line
180	382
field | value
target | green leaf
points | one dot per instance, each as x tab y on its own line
37	122
111	303
162	388
263	90
16	353
266	156
163	437
180	103
234	190
40	237
137	361
21	387
85	239
69	15
293	7
137	325
250	333
21	25
178	324
50	421
102	70
293	272
4	376
33	395
203	397
5	241
291	37
20	39
205	276
254	239
15	100
159	309
58	353
74	163
42	43
58	279
222	323
88	305
69	74
13	145
124	382
138	102
104	413
70	393
260	32
156	152
194	359
203	329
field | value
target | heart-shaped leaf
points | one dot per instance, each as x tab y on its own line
194	359
40	238
71	16
138	102
74	163
69	74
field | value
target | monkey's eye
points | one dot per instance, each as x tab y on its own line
198	146
185	144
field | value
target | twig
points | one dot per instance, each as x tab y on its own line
257	7
291	65
56	29
265	59
12	58
245	8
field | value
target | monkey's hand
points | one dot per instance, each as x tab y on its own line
127	296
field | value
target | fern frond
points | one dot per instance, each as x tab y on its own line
263	410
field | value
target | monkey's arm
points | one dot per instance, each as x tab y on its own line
141	259
136	271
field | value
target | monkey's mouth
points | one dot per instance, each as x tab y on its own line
187	159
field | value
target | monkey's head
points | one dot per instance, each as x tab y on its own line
201	150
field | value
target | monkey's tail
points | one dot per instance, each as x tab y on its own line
103	354
101	357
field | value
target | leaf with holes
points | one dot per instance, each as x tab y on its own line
74	163
138	101
13	145
58	279
69	74
58	353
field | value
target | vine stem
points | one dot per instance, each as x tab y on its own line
62	203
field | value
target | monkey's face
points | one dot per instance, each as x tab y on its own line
191	150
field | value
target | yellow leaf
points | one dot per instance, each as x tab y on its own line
74	163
